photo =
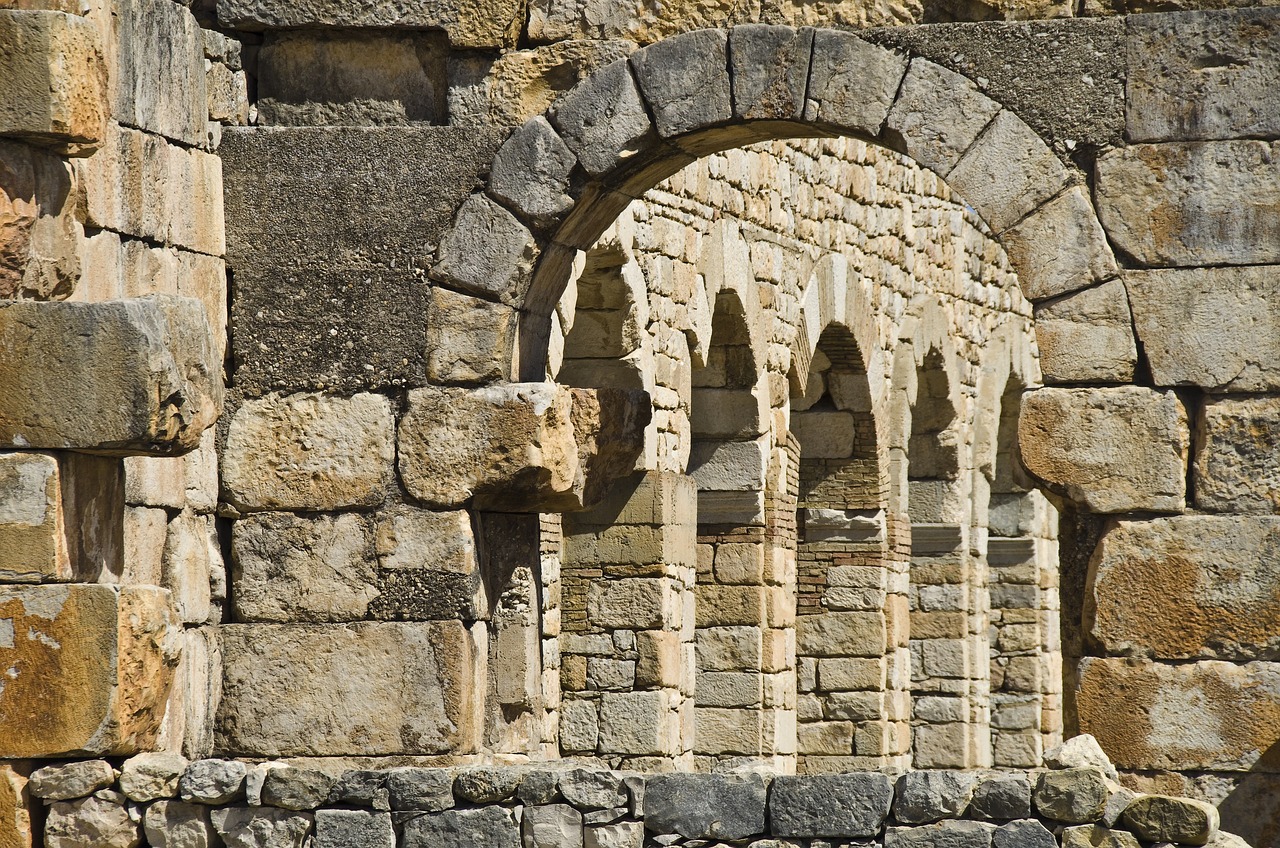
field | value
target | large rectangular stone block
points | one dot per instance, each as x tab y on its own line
1193	203
1198	716
1216	328
33	543
1187	587
90	668
55	78
1087	337
159	77
126	376
1238	455
348	690
486	25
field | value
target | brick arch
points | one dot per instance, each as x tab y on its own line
562	177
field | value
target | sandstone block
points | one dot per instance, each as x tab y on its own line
160	91
531	172
320	690
1216	328
1159	818
192	558
705	806
685	79
39	229
152	776
1087	337
1202	75
70	781
1074	795
635	723
428	566
354	829
15	808
1112	450
1191	204
33	544
95	821
1138	712
487	251
92	668
841	634
937	115
770	69
173	824
604	120
728	466
483	827
258	827
469	339
1008	172
852	84
1187	587
309	452
57	80
1097	836
154	349
851	805
1060	247
1238	461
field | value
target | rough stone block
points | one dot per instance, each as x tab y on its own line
92	666
1192	204
39	255
469	339
593	789
1138	712
923	797
604	119
1237	465
309	690
213	781
1008	172
1097	836
483	827
153	350
152	776
1087	337
1187	587
71	780
160	91
56	78
770	70
428	566
192	556
487	251
702	806
617	835
174	824
728	466
1027	833
1081	751
841	634
1159	818
430	790
1001	798
1074	795
946	834
937	116
851	805
636	723
1060	247
467	26
1217	328
258	827
309	452
1113	450
33	543
531	172
852	84
103	822
1202	75
354	829
552	826
685	79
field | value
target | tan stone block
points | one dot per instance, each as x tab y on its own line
1112	450
155	481
637	723
728	648
200	471
469	339
725	605
824	435
826	737
92	668
1237	465
639	603
309	451
850	674
57	79
33	544
1087	337
739	563
40	237
1186	587
728	731
144	531
490	26
941	746
841	634
191	556
659	663
1060	247
1203	715
15	808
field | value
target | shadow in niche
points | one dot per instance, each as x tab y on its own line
1252	809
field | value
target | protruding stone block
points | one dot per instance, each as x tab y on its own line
40	258
1060	247
1187	587
1192	204
98	821
1087	337
685	79
770	70
91	667
852	84
33	544
160	91
1237	461
467	26
56	80
937	115
1139	713
309	452
1073	795
126	376
1160	818
1217	328
1111	450
317	690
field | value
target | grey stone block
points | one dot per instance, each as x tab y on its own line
946	834
420	789
293	788
1237	464
483	827
685	80
552	826
486	784
604	120
770	70
486	252
845	805
922	797
1074	795
259	827
1001	798
72	780
55	78
161	91
1203	75
531	172
852	84
367	788
705	806
538	787
213	781
1024	833
592	789
354	829
937	115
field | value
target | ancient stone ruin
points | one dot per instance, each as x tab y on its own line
581	425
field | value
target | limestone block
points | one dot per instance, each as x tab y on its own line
56	79
420	789
487	251
770	69
1238	461
469	340
852	84
1139	713
824	435
71	780
604	120
1087	337
39	231
685	80
356	828
1073	795
1001	798
192	555
579	726
486	784
153	350
1081	751
1191	204
1217	328
308	452
841	634
1027	833
729	466
1202	75
701	806
1160	818
288	568
428	565
155	481
160	91
213	781
257	827
15	808
92	668
295	788
1060	247
531	172
1008	172
623	834
152	776
1187	587
483	827
33	543
728	413
1112	450
97	821
952	833
174	824
846	805
552	826
922	797
937	115
1097	836
467	26
309	690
